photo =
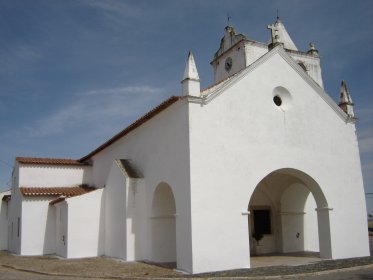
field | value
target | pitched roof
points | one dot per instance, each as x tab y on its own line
56	191
164	105
49	161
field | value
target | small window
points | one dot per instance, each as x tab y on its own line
262	221
277	100
282	98
18	226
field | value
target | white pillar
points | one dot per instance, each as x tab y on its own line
324	232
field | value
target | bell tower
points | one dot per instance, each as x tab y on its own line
230	57
236	52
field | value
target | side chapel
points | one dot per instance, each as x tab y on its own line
264	152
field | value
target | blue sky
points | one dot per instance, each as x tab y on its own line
74	73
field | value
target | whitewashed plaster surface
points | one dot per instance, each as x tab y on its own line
32	175
125	216
61	229
15	212
38	226
4	228
85	225
247	138
160	149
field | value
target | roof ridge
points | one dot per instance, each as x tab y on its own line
48	161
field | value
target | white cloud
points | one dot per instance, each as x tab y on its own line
117	11
124	90
15	58
96	109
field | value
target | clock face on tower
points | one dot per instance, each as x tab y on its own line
228	64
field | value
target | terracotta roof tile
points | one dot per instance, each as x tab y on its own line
49	161
164	105
56	191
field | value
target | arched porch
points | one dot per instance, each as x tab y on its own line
283	217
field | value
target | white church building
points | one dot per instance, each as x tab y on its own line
262	152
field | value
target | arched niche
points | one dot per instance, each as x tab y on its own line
163	224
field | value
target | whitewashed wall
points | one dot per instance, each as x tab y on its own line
4	208
312	65
311	237
116	213
246	137
38	226
61	229
85	228
125	215
160	149
237	54
299	220
253	51
53	175
15	212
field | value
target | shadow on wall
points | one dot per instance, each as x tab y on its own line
101	233
87	175
50	231
136	218
3	224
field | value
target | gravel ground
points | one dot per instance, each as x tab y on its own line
107	268
100	267
291	270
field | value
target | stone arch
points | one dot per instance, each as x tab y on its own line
163	224
292	191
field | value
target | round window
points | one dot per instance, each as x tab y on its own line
277	100
282	98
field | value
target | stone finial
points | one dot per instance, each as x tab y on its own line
313	50
272	28
345	100
275	37
191	83
279	35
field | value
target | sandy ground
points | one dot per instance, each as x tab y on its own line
52	267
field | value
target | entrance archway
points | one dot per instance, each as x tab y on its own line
282	215
163	224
